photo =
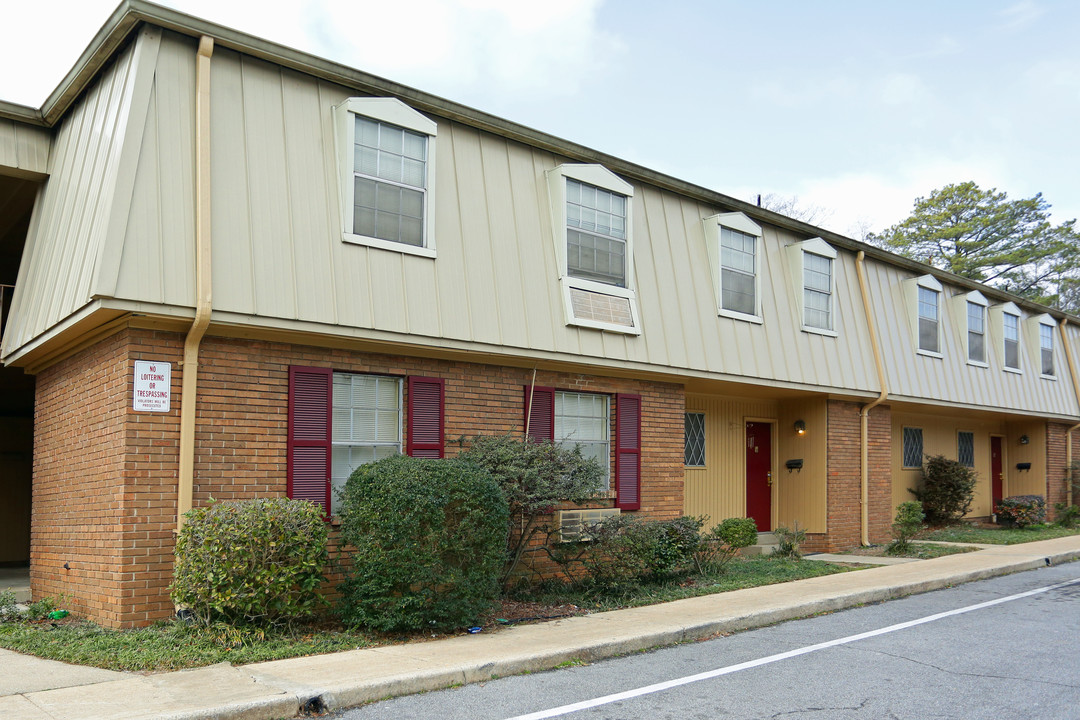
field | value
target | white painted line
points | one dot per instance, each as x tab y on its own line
668	684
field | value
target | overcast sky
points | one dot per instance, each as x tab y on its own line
857	107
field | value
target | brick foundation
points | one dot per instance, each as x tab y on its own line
105	476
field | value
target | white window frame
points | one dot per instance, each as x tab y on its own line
797	256
928	282
600	177
569	441
1035	326
393	112
998	314
960	305
336	480
741	223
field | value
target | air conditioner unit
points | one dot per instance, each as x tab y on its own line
574	524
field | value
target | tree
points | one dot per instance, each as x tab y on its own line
985	236
792	207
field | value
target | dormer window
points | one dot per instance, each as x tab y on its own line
1011	331
813	274
734	243
1046	349
976	334
929	319
595	233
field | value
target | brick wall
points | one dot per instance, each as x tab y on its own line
1057	476
844	481
240	446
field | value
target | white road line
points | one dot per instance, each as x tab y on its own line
668	684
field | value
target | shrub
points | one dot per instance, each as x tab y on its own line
625	548
1021	510
429	539
908	522
789	540
9	607
1067	515
251	561
947	490
534	477
723	541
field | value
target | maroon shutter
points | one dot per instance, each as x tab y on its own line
425	429
628	451
309	449
540	413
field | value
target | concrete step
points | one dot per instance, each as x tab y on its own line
766	543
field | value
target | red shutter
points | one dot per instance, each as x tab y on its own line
540	413
628	451
425	429
309	449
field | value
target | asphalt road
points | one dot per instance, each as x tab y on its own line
951	657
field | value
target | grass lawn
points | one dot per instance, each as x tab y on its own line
997	535
172	645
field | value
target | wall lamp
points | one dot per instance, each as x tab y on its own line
800	427
1024	439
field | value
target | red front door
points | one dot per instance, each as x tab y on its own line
759	474
996	479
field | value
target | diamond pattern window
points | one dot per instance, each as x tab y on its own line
694	455
913	447
965	448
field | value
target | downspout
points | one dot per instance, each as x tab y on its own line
1069	432
190	363
864	414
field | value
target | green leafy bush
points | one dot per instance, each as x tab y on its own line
723	542
789	540
947	490
625	548
1067	515
908	522
534	477
429	542
251	561
9	607
1021	510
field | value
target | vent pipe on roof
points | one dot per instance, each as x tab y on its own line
203	287
864	414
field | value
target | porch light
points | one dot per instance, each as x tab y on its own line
1024	439
800	427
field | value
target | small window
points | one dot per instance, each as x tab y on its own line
366	424
694	455
817	291
1046	349
1011	325
386	160
738	271
976	317
965	448
595	234
929	312
583	419
913	448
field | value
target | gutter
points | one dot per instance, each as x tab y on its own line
203	286
1069	432
864	413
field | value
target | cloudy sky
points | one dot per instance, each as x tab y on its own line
855	107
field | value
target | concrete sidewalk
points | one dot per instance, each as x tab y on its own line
34	689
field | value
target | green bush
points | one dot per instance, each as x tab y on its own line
947	490
789	540
908	522
429	542
534	477
723	542
1021	510
1067	515
251	561
625	548
9	607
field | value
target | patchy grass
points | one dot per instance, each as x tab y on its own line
740	573
997	535
169	645
172	645
916	550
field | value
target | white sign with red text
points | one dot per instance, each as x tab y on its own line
153	386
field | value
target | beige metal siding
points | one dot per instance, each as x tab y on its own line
24	148
84	197
951	379
801	495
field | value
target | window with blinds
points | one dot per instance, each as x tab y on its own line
583	419
367	424
817	291
1046	349
595	233
976	319
1011	327
738	271
929	304
390	184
